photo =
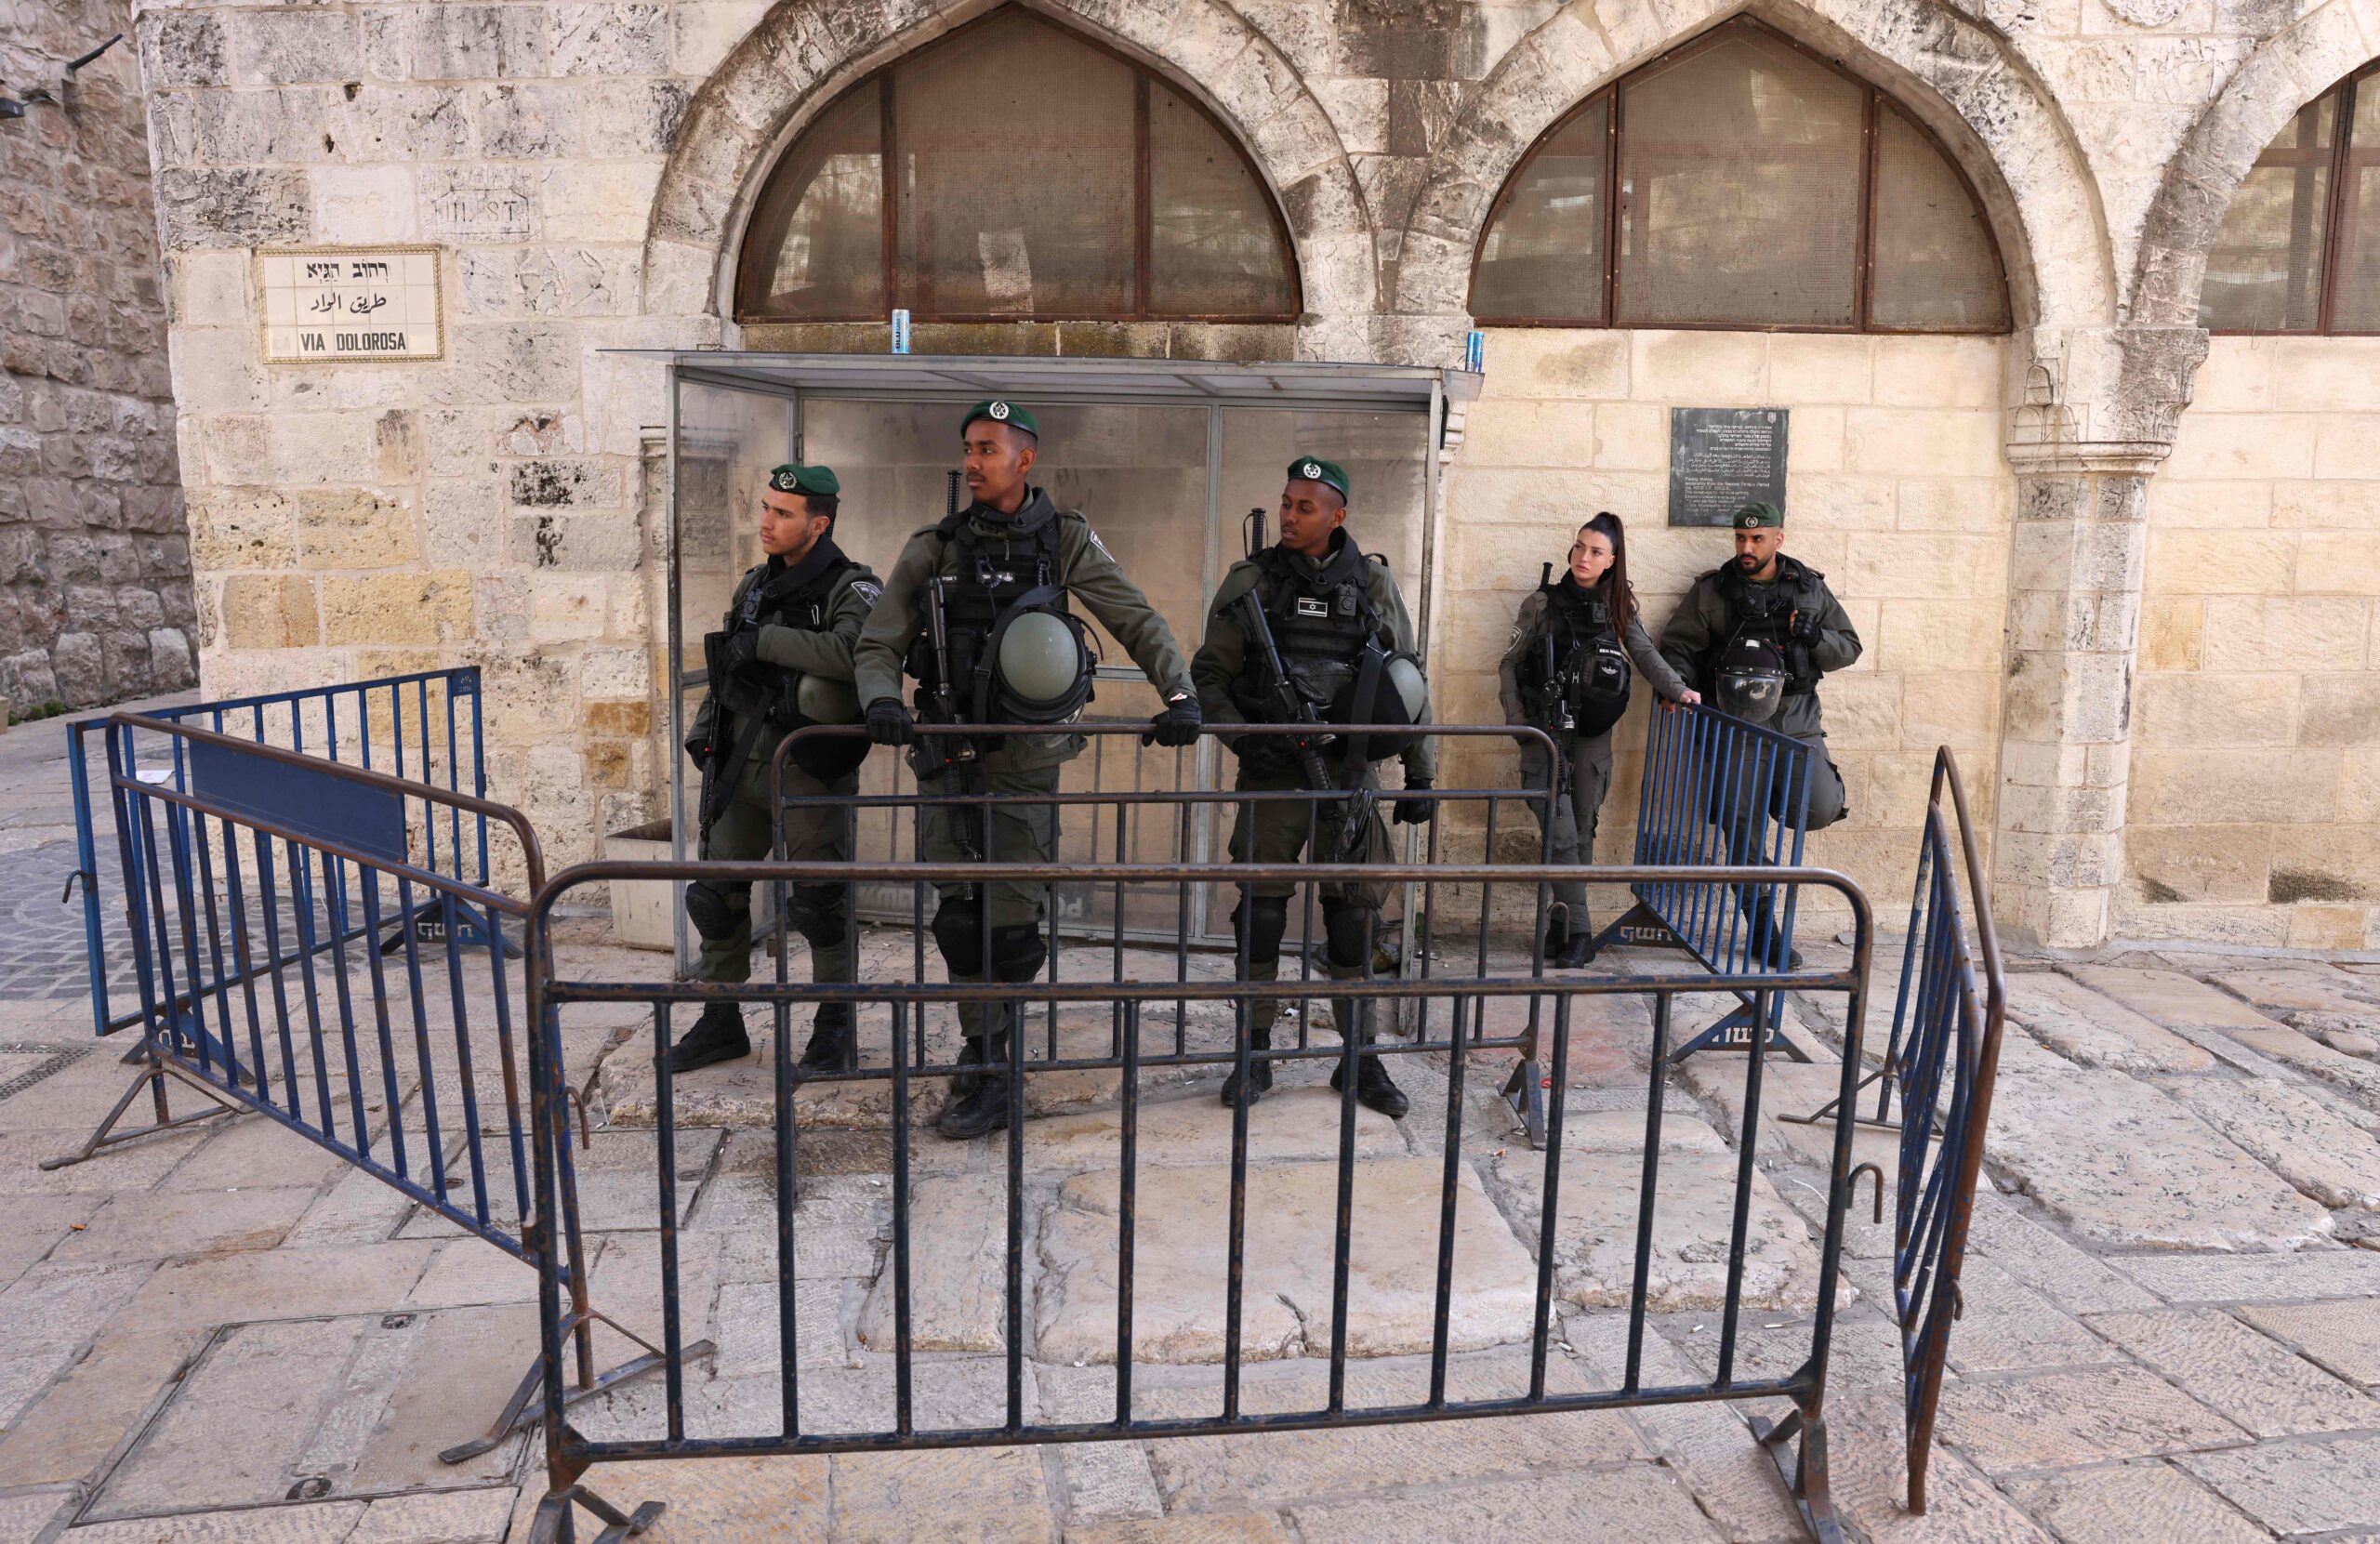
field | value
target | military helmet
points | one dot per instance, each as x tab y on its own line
1750	682
1404	674
1043	672
823	701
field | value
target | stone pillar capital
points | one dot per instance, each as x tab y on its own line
2098	400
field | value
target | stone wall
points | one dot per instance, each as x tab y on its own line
2256	809
1898	494
586	169
94	593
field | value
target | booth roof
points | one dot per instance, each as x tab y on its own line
1313	384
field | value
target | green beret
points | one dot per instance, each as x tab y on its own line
1000	410
794	478
1308	468
1757	517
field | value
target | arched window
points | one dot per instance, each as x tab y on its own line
2299	247
1758	186
1014	171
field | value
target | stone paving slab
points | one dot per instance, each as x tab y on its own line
134	1165
2299	1486
985	1495
2299	1136
160	1224
1180	1265
2242	1375
1248	1472
1788	1089
89	1410
2358	1077
1693	1224
2073	1418
2303	989
2129	1503
2095	1030
2343	1337
2122	1165
2170	997
1251	1528
723	1498
958	1269
1865	1445
1709	1443
1289	1125
1620	1506
2190	1279
2006	1327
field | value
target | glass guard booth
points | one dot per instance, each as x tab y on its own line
1165	456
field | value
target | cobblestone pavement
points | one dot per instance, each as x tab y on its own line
2171	1330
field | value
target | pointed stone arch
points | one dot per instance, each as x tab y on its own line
1956	76
2292	68
804	52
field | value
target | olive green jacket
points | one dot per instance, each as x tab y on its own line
824	652
1223	655
1530	627
1086	569
1704	620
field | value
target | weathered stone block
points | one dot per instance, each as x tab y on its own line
399	607
261	610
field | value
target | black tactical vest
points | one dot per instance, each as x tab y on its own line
800	597
996	574
1765	612
1578	676
1321	624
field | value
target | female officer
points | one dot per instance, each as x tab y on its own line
1567	671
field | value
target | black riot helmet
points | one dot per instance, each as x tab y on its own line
1750	682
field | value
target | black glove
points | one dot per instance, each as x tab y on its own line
1805	625
889	722
698	748
1416	807
741	649
1177	725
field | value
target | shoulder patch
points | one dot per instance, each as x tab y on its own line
867	590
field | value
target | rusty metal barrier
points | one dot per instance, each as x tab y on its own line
1129	1011
1944	1055
1719	790
268	894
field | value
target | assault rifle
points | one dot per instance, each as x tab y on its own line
957	749
1288	706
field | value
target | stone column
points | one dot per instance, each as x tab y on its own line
2094	414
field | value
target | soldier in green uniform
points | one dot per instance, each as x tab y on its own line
1566	672
1756	636
1344	646
975	610
782	659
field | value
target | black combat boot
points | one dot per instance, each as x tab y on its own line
1577	950
1259	1074
718	1036
831	1041
985	1105
1373	1085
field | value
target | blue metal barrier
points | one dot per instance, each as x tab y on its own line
1945	1054
1716	791
263	888
422	728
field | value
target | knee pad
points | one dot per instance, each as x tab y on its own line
1259	921
817	913
1350	929
1017	952
959	932
712	908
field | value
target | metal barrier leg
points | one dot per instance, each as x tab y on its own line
153	1073
526	1408
1806	1471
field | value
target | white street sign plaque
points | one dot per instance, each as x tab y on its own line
337	304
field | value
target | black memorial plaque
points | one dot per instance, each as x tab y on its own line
1722	459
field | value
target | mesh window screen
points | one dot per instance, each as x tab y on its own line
1213	248
1013	147
1542	259
2265	272
1933	266
817	243
2355	306
1739	189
